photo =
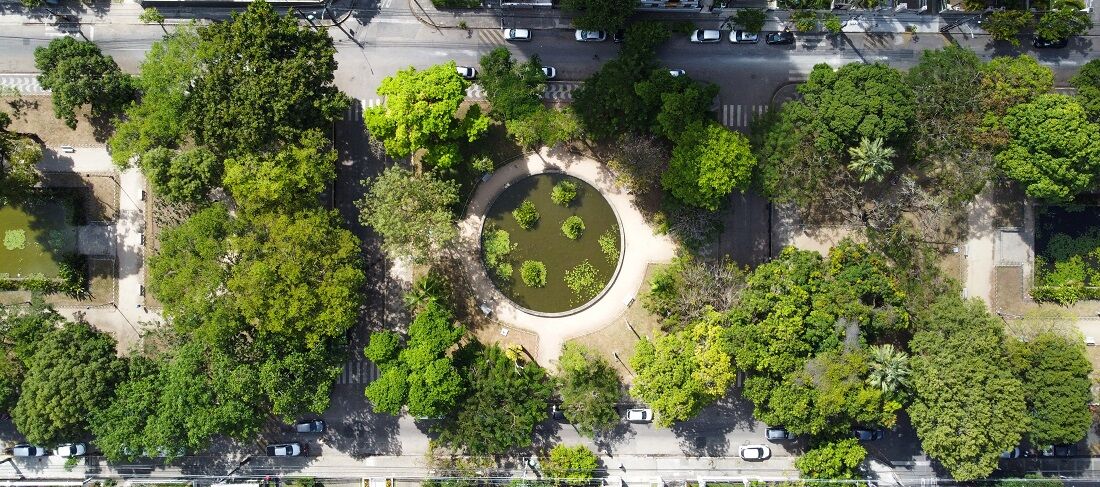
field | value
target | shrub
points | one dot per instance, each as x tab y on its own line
804	20
526	214
482	164
584	280
496	244
576	465
832	24
752	19
609	244
836	460
573	227
533	273
563	193
383	347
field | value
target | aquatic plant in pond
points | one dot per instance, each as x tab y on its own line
572	227
584	280
496	245
533	273
609	244
15	239
526	215
563	193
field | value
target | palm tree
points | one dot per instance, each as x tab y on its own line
889	368
871	160
427	289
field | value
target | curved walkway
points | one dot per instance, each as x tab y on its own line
640	247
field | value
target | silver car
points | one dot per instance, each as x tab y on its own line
27	450
590	35
314	426
744	37
466	72
517	34
284	450
639	415
71	450
705	36
754	452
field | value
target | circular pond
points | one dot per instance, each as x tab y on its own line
574	270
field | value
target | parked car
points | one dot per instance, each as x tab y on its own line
314	426
677	72
619	35
466	72
557	414
784	37
702	36
1040	43
1013	453
590	35
754	452
550	72
862	434
639	415
27	450
284	450
71	450
744	37
778	434
517	34
1059	451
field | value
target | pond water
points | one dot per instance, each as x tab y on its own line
39	235
545	241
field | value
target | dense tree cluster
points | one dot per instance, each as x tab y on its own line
514	90
589	389
18	156
78	74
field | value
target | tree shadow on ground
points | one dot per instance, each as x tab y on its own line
705	434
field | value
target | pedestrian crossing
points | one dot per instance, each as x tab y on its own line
27	84
491	36
358	372
740	116
555	90
355	110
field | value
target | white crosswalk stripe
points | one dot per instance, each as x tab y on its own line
491	36
358	371
798	75
27	84
740	116
355	110
555	90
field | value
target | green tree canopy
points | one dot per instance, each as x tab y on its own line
513	89
1008	81
1087	82
73	370
182	177
505	399
412	213
1063	23
1054	371
708	163
287	87
78	74
22	328
834	460
1054	151
19	154
291	178
589	389
606	15
968	405
576	465
680	373
1005	25
421	113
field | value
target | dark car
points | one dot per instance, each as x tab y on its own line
778	434
558	414
1059	451
619	35
784	37
1041	43
867	435
314	426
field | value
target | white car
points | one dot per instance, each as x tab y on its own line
639	415
517	34
550	72
71	450
466	72
744	37
677	72
284	450
706	36
590	35
754	452
27	450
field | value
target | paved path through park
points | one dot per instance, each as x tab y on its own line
641	246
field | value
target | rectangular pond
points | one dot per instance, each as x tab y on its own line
37	235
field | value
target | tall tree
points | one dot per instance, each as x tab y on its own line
607	15
871	160
834	460
1008	81
18	156
291	178
1054	151
77	74
968	405
708	163
1054	371
1087	82
420	113
22	328
513	90
575	465
182	177
287	87
412	213
589	388
1063	23
890	369
72	372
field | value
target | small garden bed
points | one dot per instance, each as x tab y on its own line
1067	254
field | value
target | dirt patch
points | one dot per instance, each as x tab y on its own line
33	116
101	193
622	335
1008	294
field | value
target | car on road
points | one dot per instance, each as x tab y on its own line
27	450
785	37
71	450
1040	43
466	72
744	37
863	434
313	426
1059	451
619	35
703	36
777	433
754	452
639	415
549	72
284	450
517	34
590	35
677	72
1013	453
